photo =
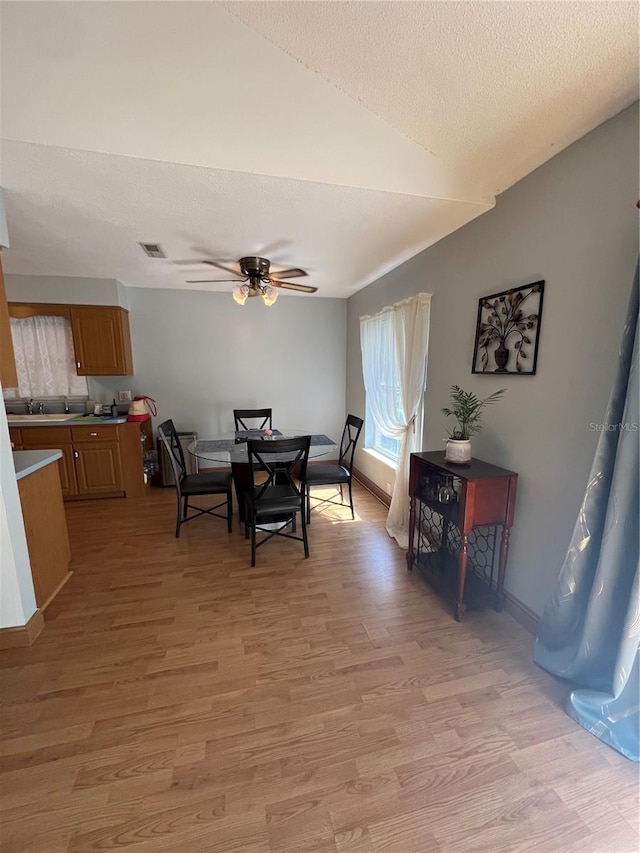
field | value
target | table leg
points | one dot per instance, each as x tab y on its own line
502	566
412	532
462	574
242	481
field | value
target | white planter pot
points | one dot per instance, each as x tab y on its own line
458	451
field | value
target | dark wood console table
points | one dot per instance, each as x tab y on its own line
455	511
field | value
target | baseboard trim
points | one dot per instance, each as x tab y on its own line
22	635
521	613
372	488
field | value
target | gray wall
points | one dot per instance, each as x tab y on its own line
200	355
573	222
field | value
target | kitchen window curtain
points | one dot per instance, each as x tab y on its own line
45	360
590	628
394	361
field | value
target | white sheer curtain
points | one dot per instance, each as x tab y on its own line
394	364
45	361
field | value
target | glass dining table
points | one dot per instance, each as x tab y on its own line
230	448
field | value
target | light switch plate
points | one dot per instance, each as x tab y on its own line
124	396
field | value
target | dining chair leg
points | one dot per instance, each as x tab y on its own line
308	505
353	515
178	520
253	545
229	510
304	534
244	515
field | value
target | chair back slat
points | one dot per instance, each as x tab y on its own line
272	507
169	437
283	461
262	416
350	436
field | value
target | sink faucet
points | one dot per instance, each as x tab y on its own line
41	408
66	406
30	406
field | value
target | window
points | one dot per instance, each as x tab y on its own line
394	347
375	439
382	347
45	361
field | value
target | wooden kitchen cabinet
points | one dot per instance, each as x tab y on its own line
46	531
101	340
67	472
8	374
101	461
98	468
66	468
101	336
44	438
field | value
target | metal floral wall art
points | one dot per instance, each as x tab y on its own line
507	331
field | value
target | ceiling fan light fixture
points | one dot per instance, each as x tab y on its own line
256	280
269	295
240	293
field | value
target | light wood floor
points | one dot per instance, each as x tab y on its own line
180	701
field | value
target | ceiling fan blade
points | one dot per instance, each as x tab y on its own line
293	272
288	285
216	280
222	267
184	261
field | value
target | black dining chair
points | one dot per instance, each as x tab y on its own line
277	490
336	474
190	485
260	417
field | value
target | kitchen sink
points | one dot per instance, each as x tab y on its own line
12	419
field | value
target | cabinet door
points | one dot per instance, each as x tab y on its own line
102	341
98	468
8	375
65	467
67	472
45	438
132	448
15	437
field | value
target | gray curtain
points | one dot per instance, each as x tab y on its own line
590	628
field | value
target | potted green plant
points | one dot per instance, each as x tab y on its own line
466	408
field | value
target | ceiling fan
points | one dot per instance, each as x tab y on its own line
254	279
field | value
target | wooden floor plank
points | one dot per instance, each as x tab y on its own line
179	701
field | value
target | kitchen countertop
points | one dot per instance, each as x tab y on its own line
28	461
87	420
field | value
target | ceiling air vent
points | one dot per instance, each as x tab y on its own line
152	250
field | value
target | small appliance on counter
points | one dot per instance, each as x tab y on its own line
142	408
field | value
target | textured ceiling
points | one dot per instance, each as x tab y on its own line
340	137
493	88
